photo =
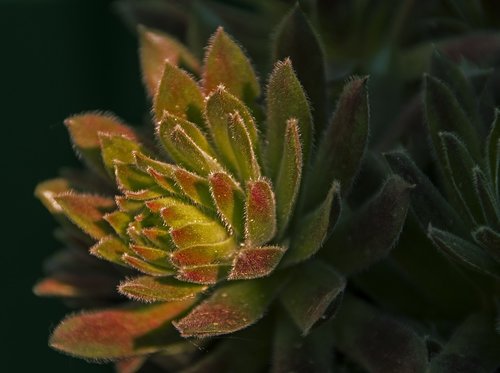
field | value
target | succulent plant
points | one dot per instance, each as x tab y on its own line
216	220
239	229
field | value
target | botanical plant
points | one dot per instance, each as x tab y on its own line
238	230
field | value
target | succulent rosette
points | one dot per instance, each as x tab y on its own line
213	215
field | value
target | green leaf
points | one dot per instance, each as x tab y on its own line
177	214
179	95
370	233
286	100
117	148
464	252
295	39
119	220
151	254
312	230
229	200
200	255
443	113
155	48
459	167
376	341
147	267
233	306
293	352
243	149
110	248
226	64
84	130
129	178
198	234
260	212
159	289
145	164
255	262
312	301
472	348
191	155
220	106
493	151
193	186
488	203
489	239
86	211
165	127
117	333
289	176
207	274
427	203
344	142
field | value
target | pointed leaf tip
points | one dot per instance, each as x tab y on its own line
87	212
155	48
285	100
227	64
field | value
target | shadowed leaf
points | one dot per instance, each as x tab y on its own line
155	48
158	289
87	212
293	352
377	342
116	333
370	233
489	239
193	186
84	130
312	230
493	151
285	100
428	204
309	302
472	348
226	64
179	95
231	307
130	365
488	202
255	262
119	220
295	39
459	169
344	142
260	212
464	252
443	113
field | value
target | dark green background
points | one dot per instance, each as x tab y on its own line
57	58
